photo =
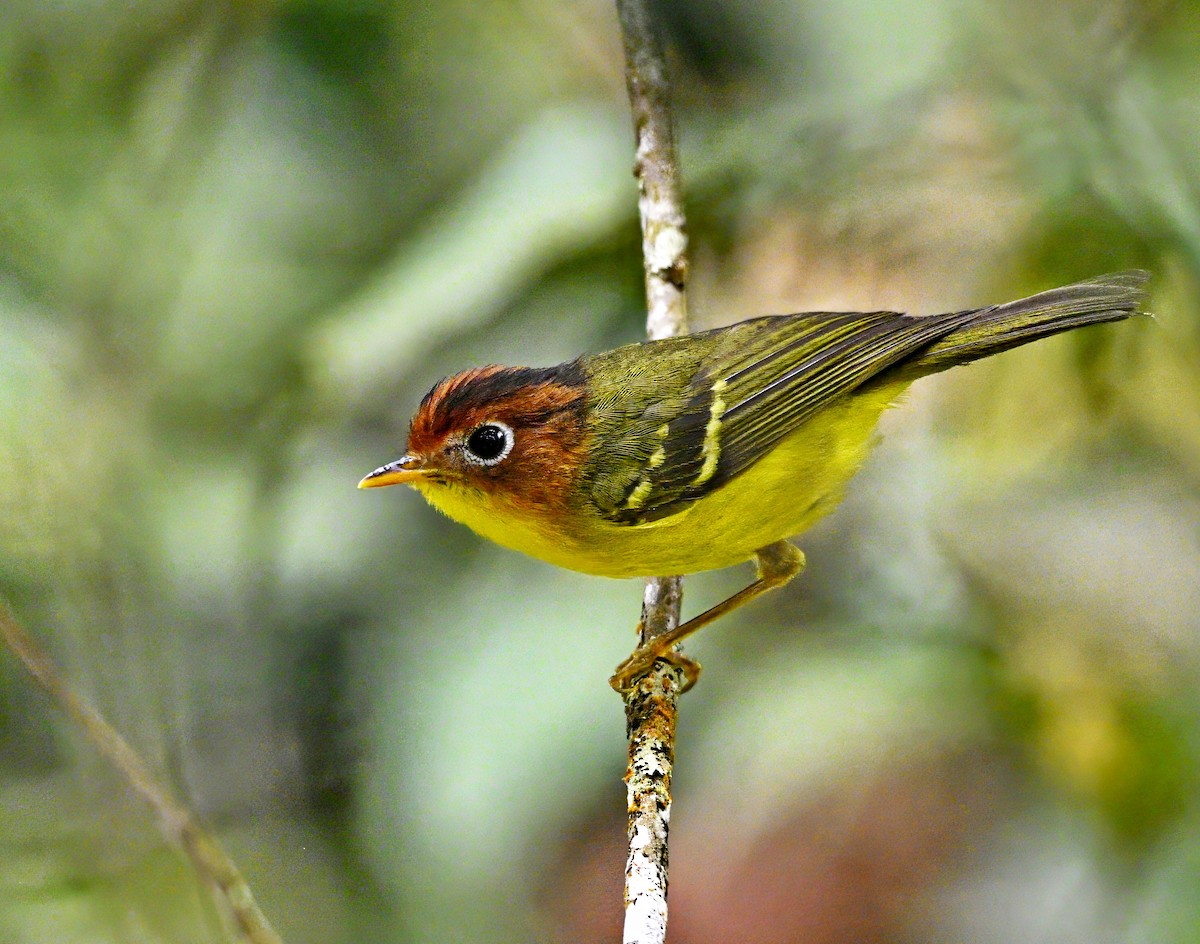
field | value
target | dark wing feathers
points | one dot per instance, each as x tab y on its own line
753	388
716	402
863	346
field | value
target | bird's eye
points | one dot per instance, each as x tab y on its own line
490	443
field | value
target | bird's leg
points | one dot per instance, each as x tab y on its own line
777	564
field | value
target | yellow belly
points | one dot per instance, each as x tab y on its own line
781	495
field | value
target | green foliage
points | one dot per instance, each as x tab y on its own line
239	241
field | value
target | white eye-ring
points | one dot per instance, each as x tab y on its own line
489	443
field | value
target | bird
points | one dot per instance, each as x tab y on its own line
701	451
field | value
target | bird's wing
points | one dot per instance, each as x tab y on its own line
754	386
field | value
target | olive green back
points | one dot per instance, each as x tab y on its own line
672	420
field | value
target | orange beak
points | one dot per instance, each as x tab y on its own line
405	470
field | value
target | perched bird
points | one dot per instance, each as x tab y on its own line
701	451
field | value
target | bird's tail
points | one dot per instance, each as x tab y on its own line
992	330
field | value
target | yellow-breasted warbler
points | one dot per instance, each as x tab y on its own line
702	451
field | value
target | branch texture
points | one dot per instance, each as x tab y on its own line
664	240
651	706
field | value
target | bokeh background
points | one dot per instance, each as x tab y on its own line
239	240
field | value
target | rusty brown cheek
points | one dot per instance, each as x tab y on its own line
548	421
540	475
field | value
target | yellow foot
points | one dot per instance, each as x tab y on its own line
642	661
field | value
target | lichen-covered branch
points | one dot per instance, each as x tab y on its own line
664	237
650	713
178	823
651	705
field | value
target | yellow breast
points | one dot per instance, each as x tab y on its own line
781	495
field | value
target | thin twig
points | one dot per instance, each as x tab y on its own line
664	240
178	823
651	706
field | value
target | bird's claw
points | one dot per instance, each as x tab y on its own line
642	660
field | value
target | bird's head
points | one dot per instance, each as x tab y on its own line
503	435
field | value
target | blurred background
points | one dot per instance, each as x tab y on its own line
239	240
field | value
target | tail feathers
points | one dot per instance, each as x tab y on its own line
992	330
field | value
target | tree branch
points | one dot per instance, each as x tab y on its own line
651	706
179	824
660	205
